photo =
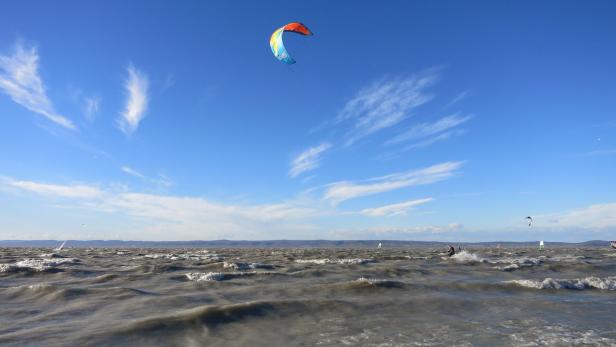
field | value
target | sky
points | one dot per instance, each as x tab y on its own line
401	120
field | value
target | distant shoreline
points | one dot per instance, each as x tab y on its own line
285	244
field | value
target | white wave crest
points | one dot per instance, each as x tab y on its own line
607	283
370	280
197	256
467	257
37	265
516	263
221	276
205	276
246	266
357	261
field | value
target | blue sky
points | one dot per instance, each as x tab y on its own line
411	120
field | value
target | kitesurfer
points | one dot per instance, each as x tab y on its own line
451	251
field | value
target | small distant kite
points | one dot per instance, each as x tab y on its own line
530	220
276	40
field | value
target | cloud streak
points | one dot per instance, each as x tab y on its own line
338	192
165	208
385	104
21	81
55	190
395	209
431	133
308	160
136	86
598	216
162	180
91	107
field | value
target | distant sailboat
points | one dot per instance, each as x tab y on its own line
61	246
541	245
613	244
379	246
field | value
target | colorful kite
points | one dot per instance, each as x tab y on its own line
276	40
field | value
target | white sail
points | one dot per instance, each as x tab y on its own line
541	245
61	246
379	246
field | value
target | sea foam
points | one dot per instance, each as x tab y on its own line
606	283
467	257
346	261
246	266
36	265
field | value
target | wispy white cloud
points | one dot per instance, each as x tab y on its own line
91	107
55	190
598	216
161	180
205	217
338	192
308	159
21	81
423	232
440	130
432	140
385	104
459	97
395	209
132	172
417	229
136	86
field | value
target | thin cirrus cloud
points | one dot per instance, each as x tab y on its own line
308	160
21	81
162	180
56	190
132	172
430	133
395	209
598	216
91	107
338	192
173	212
136	86
385	104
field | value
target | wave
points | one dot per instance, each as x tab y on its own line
222	276
246	266
54	292
467	257
36	265
559	335
516	263
344	261
217	315
606	283
199	256
364	282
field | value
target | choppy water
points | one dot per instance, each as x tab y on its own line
307	297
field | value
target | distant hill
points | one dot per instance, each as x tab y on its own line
283	244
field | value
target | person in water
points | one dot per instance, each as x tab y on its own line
451	251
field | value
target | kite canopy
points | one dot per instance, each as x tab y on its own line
530	220
276	40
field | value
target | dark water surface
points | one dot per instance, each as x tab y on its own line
307	297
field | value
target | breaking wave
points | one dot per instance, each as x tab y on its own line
347	261
194	256
607	283
246	266
467	257
516	263
36	265
222	276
